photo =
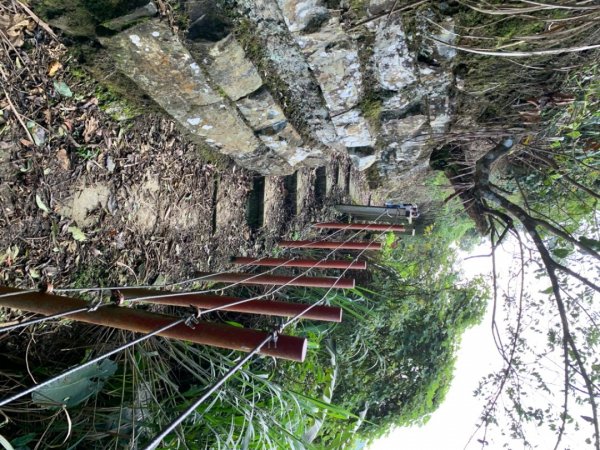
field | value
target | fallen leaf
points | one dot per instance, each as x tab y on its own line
14	26
110	164
77	234
63	159
91	125
54	67
40	203
62	88
48	117
37	133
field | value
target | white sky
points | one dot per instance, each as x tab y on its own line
453	423
451	426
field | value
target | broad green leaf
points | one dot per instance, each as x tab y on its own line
23	440
561	252
73	389
77	234
37	133
591	243
62	88
40	203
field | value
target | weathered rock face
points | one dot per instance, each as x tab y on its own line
290	82
152	56
393	63
288	67
408	87
156	60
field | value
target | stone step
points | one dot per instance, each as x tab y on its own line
413	103
255	204
241	122
304	189
237	76
280	57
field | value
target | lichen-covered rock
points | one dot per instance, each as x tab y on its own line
333	58
303	15
394	65
152	56
288	68
237	76
352	129
377	7
231	70
447	35
261	111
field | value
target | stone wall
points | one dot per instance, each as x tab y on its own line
282	84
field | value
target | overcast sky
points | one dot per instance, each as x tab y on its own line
453	423
451	426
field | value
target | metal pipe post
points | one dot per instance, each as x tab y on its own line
217	335
266	307
279	280
356	245
359	226
307	263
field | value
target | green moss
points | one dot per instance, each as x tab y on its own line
89	275
372	98
247	35
104	10
359	7
371	109
81	17
374	178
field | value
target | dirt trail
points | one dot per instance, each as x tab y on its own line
87	199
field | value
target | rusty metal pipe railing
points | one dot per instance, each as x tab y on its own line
224	303
217	335
279	280
307	263
352	245
359	226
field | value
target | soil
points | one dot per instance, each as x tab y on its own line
87	199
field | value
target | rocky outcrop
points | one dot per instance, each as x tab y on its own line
418	110
226	113
409	80
333	57
282	84
291	75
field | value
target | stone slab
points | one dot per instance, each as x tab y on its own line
303	15
221	128
262	111
353	130
393	63
156	60
231	70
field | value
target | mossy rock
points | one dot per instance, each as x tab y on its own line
80	18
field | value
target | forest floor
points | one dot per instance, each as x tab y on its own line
87	199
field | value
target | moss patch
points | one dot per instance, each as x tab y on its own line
246	34
81	17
